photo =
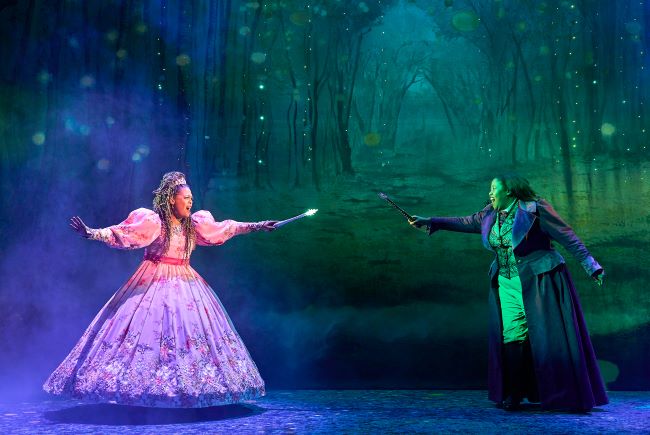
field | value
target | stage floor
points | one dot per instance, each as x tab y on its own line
330	411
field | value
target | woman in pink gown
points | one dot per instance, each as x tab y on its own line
164	339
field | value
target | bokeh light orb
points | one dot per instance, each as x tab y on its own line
608	370
112	35
87	81
121	53
70	124
258	57
44	77
633	28
183	60
300	18
372	139
143	150
607	129
466	21
136	157
141	28
244	30
103	164
38	138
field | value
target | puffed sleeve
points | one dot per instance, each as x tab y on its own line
138	230
553	225
464	224
210	232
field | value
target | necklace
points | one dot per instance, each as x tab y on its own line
177	229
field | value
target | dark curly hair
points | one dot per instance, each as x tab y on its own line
518	186
170	185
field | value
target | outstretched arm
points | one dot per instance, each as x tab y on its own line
464	224
210	232
138	230
553	225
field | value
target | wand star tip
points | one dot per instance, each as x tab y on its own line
311	211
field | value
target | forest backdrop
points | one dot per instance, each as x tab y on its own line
273	107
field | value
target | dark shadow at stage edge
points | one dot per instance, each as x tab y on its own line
120	415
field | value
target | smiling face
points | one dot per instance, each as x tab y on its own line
181	202
499	197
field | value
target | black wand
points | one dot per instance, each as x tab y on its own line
386	198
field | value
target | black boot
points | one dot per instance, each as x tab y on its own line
513	371
529	379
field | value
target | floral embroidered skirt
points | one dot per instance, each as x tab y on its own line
163	340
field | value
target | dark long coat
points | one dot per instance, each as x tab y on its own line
564	362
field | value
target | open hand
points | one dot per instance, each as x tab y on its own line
78	225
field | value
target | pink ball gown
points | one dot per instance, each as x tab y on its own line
164	339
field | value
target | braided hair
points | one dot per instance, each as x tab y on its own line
170	185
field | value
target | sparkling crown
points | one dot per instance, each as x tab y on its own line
178	182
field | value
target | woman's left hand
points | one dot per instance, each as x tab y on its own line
599	277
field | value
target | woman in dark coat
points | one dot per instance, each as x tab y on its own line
539	346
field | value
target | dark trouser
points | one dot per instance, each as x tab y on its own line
518	374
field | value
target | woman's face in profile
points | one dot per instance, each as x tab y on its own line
499	196
182	203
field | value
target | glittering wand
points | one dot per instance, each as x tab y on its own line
310	212
386	198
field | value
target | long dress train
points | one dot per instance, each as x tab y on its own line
163	339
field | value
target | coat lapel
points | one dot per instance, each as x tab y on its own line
486	227
524	219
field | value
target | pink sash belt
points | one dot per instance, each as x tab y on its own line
169	260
